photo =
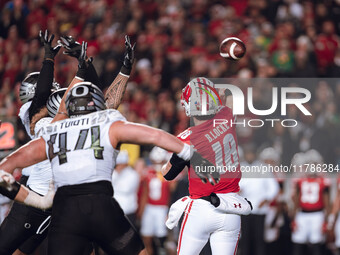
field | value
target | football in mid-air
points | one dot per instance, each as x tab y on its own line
232	48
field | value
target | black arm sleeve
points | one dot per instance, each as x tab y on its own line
10	193
177	165
44	86
92	76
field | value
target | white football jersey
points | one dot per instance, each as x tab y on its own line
79	148
40	175
24	116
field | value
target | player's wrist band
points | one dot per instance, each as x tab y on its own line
49	59
11	191
125	75
125	70
186	152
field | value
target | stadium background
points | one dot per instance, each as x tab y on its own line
177	40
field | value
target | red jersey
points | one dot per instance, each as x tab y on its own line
215	141
311	190
158	188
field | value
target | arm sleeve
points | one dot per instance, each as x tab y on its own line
92	76
177	165
43	90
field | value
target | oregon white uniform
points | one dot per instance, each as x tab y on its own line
24	116
40	174
83	143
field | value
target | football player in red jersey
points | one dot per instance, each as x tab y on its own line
212	207
311	199
155	203
333	220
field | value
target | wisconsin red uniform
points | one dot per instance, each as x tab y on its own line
158	188
212	212
337	223
310	218
218	144
311	191
156	208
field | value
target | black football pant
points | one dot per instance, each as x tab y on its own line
79	218
24	228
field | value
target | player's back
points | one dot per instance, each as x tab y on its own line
218	144
79	148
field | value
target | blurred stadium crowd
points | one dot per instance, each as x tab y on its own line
177	40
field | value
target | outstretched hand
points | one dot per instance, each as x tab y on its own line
129	55
83	60
73	48
46	40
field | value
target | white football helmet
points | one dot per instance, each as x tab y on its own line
299	159
28	86
270	154
200	98
313	156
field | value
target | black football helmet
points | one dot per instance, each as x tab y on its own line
84	98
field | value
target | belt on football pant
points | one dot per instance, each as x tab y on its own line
213	199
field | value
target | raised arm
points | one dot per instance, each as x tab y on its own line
62	111
45	79
74	49
115	93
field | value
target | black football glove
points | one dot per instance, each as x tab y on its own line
129	55
73	48
82	56
83	62
204	169
46	40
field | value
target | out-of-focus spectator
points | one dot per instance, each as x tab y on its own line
125	181
261	192
326	46
155	203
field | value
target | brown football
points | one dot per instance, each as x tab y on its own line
232	48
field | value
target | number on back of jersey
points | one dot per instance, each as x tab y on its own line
83	134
